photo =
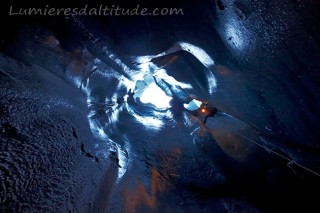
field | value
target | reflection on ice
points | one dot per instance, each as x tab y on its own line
150	122
96	129
199	53
123	160
212	83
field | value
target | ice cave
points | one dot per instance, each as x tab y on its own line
166	106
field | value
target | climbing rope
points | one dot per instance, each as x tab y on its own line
290	161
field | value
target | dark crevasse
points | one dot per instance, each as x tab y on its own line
78	133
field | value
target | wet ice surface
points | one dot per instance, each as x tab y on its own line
140	159
87	150
169	154
42	167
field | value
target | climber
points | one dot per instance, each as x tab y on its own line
207	111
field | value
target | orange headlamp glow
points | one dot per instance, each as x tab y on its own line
203	110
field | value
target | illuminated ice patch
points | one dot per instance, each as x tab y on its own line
151	122
234	35
154	95
123	163
193	105
198	52
212	82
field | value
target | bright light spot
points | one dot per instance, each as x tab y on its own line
154	95
203	110
193	105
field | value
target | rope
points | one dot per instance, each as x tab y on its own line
290	163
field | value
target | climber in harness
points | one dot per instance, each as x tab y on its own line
200	108
208	111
